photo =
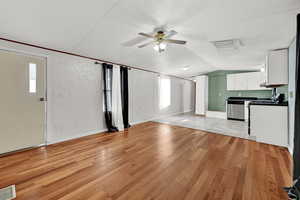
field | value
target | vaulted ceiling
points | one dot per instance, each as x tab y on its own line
99	28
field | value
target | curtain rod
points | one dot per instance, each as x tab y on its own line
100	63
87	57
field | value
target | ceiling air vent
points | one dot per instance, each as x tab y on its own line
8	193
233	44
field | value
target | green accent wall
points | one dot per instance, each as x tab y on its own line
217	90
285	91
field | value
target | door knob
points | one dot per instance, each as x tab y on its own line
43	99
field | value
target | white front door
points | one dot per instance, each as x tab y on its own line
22	111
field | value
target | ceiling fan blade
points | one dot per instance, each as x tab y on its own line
170	34
146	35
175	41
134	41
146	44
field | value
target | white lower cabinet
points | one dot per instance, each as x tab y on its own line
269	124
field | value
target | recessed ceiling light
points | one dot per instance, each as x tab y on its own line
185	68
262	69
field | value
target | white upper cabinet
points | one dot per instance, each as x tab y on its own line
231	81
246	81
255	79
241	81
277	67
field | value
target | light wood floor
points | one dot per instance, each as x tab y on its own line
150	161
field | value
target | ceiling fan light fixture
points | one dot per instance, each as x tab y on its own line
156	47
160	47
161	39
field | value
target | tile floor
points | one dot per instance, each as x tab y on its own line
214	125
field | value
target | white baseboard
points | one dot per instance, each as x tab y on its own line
159	117
169	115
291	150
216	114
104	130
75	136
139	122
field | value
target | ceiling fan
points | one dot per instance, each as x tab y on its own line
160	39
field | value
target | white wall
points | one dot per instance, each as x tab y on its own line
144	96
74	85
74	98
292	93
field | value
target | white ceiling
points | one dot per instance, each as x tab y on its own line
97	28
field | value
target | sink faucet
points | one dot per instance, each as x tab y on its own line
274	94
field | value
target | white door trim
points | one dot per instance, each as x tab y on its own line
18	52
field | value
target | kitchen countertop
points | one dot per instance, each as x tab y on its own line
246	99
268	103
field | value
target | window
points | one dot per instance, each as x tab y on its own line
108	90
164	93
32	78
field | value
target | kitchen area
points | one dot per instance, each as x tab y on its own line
257	100
267	117
251	104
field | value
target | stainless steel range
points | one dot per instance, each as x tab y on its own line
236	107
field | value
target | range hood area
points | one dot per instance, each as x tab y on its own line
264	84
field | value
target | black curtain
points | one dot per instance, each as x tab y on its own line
107	92
294	191
124	95
296	154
